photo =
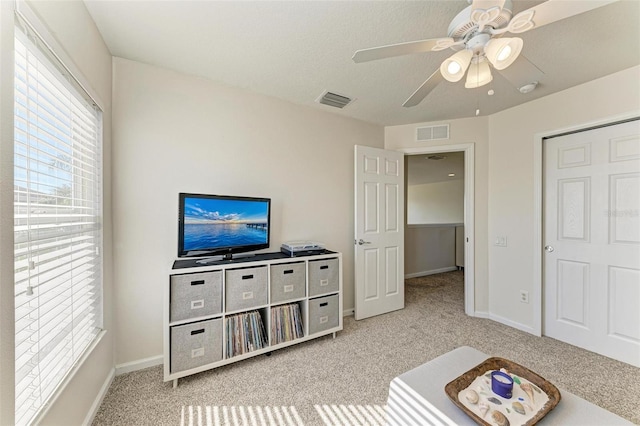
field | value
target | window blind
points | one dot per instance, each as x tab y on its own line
57	225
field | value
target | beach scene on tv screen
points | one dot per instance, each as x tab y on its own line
214	223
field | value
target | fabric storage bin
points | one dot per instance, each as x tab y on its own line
196	344
287	282
195	295
245	288
323	276
323	313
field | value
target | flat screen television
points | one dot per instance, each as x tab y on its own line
212	225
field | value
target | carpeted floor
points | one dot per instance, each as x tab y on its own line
345	381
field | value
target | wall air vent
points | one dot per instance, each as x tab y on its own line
334	99
430	133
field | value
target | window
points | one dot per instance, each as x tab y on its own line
57	224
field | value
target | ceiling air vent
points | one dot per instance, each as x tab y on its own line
334	100
431	133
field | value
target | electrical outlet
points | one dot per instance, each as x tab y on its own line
524	296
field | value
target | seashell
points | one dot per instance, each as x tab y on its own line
526	387
484	407
517	407
535	388
527	406
494	400
499	419
472	396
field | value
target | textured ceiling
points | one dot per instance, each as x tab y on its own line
295	50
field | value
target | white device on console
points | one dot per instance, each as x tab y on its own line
292	248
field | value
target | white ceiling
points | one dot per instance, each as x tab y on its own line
295	50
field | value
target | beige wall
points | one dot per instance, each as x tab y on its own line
511	179
429	249
505	183
77	40
440	202
176	133
7	334
462	131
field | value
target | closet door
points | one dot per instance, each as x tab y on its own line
592	240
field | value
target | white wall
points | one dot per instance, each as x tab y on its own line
462	131
78	38
511	180
440	202
177	133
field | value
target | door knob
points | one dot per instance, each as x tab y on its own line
548	249
361	242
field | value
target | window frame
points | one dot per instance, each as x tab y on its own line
53	52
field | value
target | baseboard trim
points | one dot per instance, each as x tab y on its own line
348	312
481	314
431	272
514	324
99	398
140	364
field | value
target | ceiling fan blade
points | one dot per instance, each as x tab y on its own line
551	11
522	72
392	50
424	90
484	11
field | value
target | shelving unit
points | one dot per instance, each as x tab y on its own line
229	310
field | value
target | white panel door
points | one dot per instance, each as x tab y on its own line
379	231
592	240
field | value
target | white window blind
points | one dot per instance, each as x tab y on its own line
57	225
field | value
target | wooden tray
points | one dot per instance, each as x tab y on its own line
462	382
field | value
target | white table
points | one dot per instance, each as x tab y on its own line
417	397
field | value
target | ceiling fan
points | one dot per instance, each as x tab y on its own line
476	34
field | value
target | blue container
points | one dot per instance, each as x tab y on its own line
502	384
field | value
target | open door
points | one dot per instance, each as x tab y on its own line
379	231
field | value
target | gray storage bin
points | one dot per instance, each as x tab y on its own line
323	313
196	295
287	282
323	276
196	344
245	288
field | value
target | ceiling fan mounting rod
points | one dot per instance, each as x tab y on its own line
477	42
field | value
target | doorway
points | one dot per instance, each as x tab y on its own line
465	235
434	213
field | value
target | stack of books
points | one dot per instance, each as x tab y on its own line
245	333
286	323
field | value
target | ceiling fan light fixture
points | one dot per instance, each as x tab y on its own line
502	52
479	74
454	67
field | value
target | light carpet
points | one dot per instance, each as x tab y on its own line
345	380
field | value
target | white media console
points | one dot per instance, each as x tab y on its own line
229	310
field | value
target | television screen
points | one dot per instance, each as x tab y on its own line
217	224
